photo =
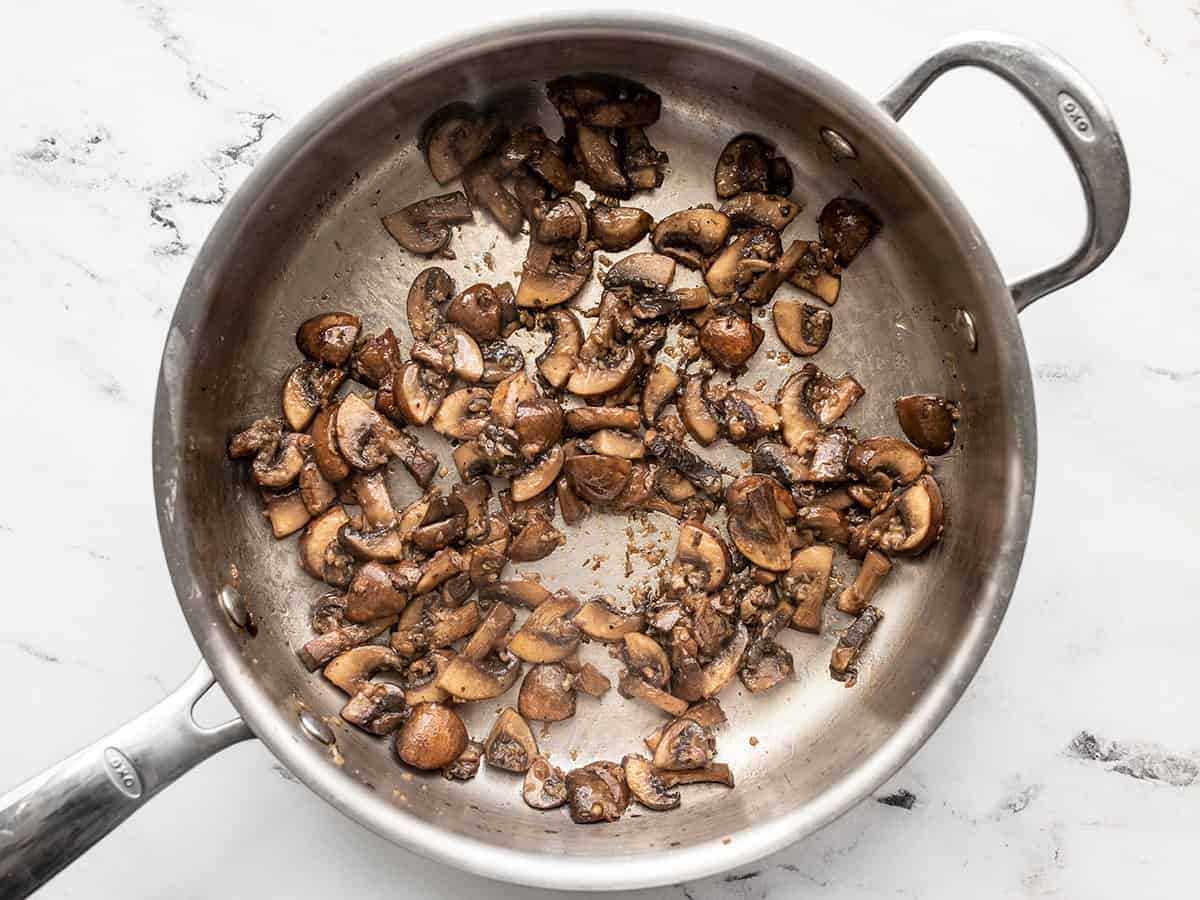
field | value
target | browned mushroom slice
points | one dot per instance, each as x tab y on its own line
598	479
466	359
384	544
539	425
376	591
782	464
846	226
316	492
646	785
597	793
329	612
374	358
640	271
734	266
308	388
559	358
720	671
820	523
729	340
829	454
548	635
696	413
466	766
604	374
547	694
768	281
818	274
717	773
420	678
605	101
912	523
520	592
536	539
550	276
424	227
857	596
321	556
803	328
545	786
928	421
685	744
805	585
530	147
746	417
701	558
454	137
573	509
509	394
630	686
352	670
463	414
286	512
811	400
596	156
262	434
329	337
324	445
773	667
586	419
510	745
322	649
539	476
601	622
843	661
643	164
662	382
618	228
440	567
691	235
743	166
755	209
756	521
646	659
884	462
779	176
371	491
430	290
610	442
466	679
696	470
279	465
477	311
377	708
482	184
366	440
587	677
432	737
411	394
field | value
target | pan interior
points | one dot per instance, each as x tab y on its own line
311	241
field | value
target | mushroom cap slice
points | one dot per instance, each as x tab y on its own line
429	292
477	310
695	412
315	490
545	787
928	421
730	340
845	226
756	522
432	737
490	634
374	357
463	414
921	512
811	400
420	679
660	388
539	425
746	416
279	465
424	226
384	544
352	670
685	744
375	591
718	673
842	662
596	478
597	793
646	785
548	634
519	592
597	158
717	773
541	290
329	337
263	434
547	694
286	512
646	659
484	188
597	377
773	666
692	235
885	461
321	555
802	328
539	476
509	394
566	337
510	745
357	428
640	271
805	585
756	209
701	558
734	266
455	137
696	470
610	442
378	708
325	450
466	766
411	394
855	598
536	539
601	622
308	388
743	166
466	679
618	228
371	491
605	101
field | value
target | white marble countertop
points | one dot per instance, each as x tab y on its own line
127	124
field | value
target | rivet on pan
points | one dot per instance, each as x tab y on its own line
314	726
231	601
964	324
838	145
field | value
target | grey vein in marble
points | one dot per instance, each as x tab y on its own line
1145	762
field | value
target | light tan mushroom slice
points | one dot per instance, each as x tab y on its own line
379	708
598	479
601	622
632	687
702	559
744	165
411	394
520	592
456	136
717	773
803	328
855	598
321	556
685	744
286	512
432	737
351	670
720	671
371	492
820	523
707	713
329	337
548	635
430	291
545	786
325	451
510	745
465	679
490	634
756	521
559	358
538	477
843	661
756	209
805	585
468	359
691	235
380	543
810	400
618	228
325	647
441	567
610	442
308	388
547	694
278	465
509	394
640	271
463	413
646	785
768	281
734	266
586	419
662	383
420	679
589	679
599	376
695	412
884	462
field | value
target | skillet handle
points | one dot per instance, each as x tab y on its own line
1078	118
50	820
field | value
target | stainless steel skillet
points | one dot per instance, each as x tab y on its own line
926	309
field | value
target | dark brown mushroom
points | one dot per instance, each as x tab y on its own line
366	440
928	421
466	679
566	337
376	590
432	737
411	394
548	635
909	525
757	506
743	166
598	479
802	328
696	413
380	543
478	312
430	290
316	493
374	358
645	784
696	470
420	678
329	337
829	455
490	634
643	164
597	793
773	667
552	275
539	425
735	266
729	340
764	285
685	744
353	670
843	661
691	235
605	101
322	649
587	419
819	523
598	164
378	708
777	460
855	598
547	694
810	400
646	659
618	228
818	274
510	745
324	445
545	786
884	462
530	146
500	360
287	512
600	621
536	539
702	559
745	416
424	227
371	491
466	766
439	568
805	585
308	388
321	556
563	219
846	226
484	188
755	209
454	137
640	271
573	509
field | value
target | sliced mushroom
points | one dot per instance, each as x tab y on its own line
530	147
536	539
539	425
618	228
781	463
717	773
600	376
695	412
478	312
720	671
685	744
586	419
322	649
846	226
743	166
691	235
768	281
329	337
521	592
376	591
811	400
316	493
286	512
440	567
884	462
818	274
803	328
321	556
381	543
857	596
588	678
729	341
910	525
696	470
466	679
545	786
430	290
662	383
598	164
755	209
829	455
454	137
610	442
420	679
324	445
375	356
701	558
597	793
598	479
490	634
573	509
643	164
551	276
371	492
646	785
510	745
548	635
563	219
773	667
735	266
424	227
746	417
646	659
308	388
539	476
640	271
928	421
352	671
843	661
547	694
820	523
605	101
463	414
805	585
378	708
411	394
466	766
756	522
262	435
561	354
366	440
432	737
601	622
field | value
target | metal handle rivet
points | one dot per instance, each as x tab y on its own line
315	727
964	324
838	145
234	605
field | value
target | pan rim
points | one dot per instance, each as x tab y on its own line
237	679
